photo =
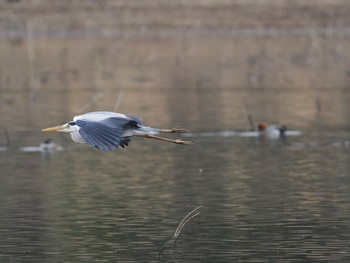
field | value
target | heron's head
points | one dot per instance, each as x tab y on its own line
67	127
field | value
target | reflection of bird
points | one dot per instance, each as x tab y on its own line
271	131
107	130
48	146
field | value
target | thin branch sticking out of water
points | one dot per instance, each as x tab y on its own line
251	124
7	136
118	101
178	230
91	102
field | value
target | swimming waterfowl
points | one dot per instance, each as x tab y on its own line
273	131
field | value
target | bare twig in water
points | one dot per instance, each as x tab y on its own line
118	101
178	230
318	106
91	102
251	122
251	126
7	136
184	221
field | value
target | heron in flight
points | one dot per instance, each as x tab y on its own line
107	130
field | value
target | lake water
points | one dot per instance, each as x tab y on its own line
262	201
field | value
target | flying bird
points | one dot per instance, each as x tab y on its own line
107	130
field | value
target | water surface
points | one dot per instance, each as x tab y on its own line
263	201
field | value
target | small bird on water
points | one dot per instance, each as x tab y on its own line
271	131
107	130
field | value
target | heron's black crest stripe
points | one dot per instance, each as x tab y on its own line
72	123
106	134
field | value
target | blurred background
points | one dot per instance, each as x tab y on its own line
212	61
209	66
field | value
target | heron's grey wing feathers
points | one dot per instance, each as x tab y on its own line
104	135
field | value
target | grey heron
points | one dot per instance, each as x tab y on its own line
107	130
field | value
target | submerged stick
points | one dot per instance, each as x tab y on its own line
118	101
87	105
184	221
251	124
7	136
178	230
318	106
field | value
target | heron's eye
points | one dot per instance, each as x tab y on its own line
72	123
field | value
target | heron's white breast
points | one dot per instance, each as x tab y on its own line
76	137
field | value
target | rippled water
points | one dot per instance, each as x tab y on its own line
262	202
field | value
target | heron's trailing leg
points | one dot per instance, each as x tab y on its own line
177	141
176	129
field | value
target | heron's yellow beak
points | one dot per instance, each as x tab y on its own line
56	128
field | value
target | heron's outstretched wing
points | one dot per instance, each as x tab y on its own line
105	135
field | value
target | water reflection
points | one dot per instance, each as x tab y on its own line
246	134
47	147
